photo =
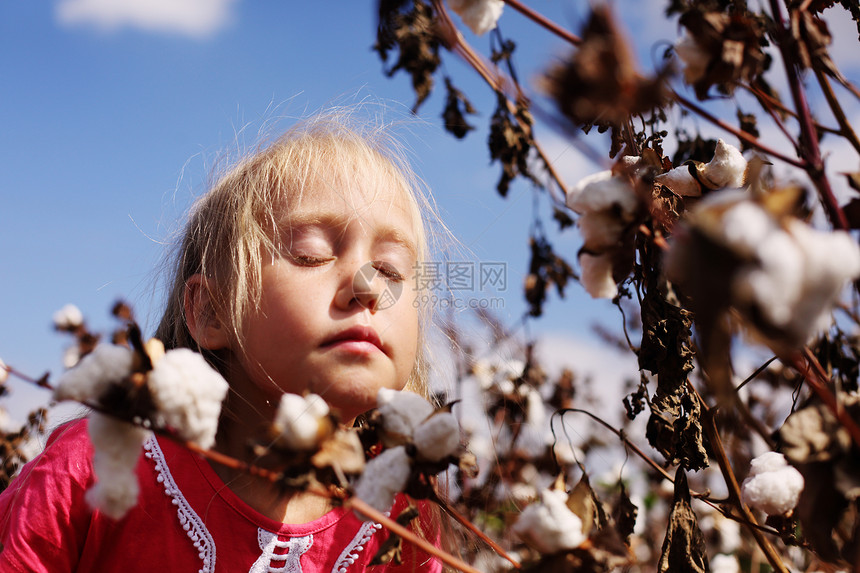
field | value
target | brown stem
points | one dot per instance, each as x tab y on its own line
836	108
39	382
657	467
710	428
454	41
768	101
809	149
752	140
461	519
361	507
544	21
817	380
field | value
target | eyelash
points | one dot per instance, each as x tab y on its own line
386	269
310	261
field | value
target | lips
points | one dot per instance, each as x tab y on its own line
356	337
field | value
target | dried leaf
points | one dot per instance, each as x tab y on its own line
412	31
510	142
545	269
734	43
599	83
343	451
624	514
390	551
684	546
583	501
456	106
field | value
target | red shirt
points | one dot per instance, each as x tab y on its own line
186	519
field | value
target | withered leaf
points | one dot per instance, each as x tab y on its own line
734	43
342	450
624	514
854	180
684	546
456	108
545	269
390	551
412	31
599	82
583	501
510	142
665	349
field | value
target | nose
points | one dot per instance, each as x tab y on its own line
366	288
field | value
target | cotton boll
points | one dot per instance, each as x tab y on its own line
724	564
597	275
402	411
601	191
107	364
68	318
773	486
831	260
601	230
480	16
744	226
437	437
730	534
535	409
299	419
4	374
7	425
71	356
187	393
775	286
695	58
117	448
549	526
680	181
383	477
727	168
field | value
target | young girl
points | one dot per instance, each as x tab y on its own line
285	282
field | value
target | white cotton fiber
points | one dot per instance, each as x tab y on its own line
773	486
298	421
549	526
384	476
107	364
117	448
187	393
437	437
402	411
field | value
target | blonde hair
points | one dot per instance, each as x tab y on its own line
232	226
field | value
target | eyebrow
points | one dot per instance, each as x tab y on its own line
387	234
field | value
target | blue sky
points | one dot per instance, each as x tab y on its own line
111	121
110	129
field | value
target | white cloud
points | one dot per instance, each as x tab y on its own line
195	18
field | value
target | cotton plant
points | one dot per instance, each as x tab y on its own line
480	16
68	318
773	486
607	204
549	525
781	274
418	438
726	170
175	391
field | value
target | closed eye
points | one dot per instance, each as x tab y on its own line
388	271
310	260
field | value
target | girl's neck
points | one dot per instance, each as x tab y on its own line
242	420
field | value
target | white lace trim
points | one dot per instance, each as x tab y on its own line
188	518
268	542
356	546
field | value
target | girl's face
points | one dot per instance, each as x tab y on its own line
321	325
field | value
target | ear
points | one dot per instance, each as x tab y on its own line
200	315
